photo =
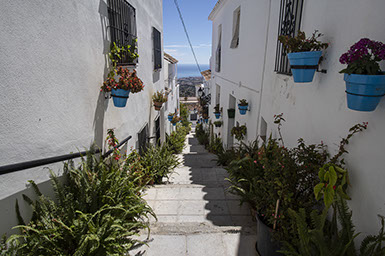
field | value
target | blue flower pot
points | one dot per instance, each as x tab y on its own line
206	120
243	109
364	92
303	65
120	96
217	115
174	124
170	118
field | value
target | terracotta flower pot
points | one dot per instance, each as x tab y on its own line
158	105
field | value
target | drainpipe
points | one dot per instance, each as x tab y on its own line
264	68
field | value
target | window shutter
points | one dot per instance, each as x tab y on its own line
157	49
235	40
218	59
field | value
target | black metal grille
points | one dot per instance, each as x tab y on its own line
157	49
123	28
143	140
289	24
157	131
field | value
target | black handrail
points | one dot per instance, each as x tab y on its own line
36	163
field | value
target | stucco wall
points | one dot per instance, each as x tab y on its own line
316	111
53	62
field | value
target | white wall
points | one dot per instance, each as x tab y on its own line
171	82
53	62
315	111
241	69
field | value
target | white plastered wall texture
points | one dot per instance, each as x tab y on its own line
53	62
241	68
317	111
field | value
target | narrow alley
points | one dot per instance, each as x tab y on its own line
196	214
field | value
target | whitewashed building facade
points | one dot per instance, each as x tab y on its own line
247	64
54	58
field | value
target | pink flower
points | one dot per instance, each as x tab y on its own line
255	161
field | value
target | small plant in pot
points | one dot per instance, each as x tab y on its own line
170	116
365	82
175	120
243	106
218	123
120	88
304	54
205	118
231	112
159	98
239	132
217	111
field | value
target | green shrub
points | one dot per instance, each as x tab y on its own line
176	140
202	136
216	145
96	212
158	162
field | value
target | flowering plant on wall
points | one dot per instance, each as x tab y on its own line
112	142
300	43
363	57
127	81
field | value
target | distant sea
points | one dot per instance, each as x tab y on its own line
190	70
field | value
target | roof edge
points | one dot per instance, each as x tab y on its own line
216	8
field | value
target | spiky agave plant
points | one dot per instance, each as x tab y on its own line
97	212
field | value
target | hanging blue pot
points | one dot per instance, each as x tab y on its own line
119	97
303	65
217	115
364	92
174	124
206	120
170	118
242	109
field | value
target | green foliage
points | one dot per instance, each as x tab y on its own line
300	43
184	114
218	123
216	145
118	53
239	132
176	140
159	97
98	211
243	102
202	136
373	245
159	162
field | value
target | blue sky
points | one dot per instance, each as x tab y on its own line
195	14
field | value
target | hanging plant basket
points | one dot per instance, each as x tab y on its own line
303	65
231	112
206	120
119	97
217	115
158	105
170	118
218	124
243	109
174	124
364	92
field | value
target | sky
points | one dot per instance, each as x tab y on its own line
195	14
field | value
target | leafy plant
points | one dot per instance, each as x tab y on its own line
202	136
363	57
127	81
300	43
217	109
216	145
118	53
176	140
218	123
175	119
243	102
239	132
159	97
97	212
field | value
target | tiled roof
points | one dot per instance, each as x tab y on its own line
206	74
170	59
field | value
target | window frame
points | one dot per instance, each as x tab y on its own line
290	16
218	52
157	48
122	27
236	28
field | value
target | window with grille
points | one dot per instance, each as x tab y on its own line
122	27
143	140
157	49
289	24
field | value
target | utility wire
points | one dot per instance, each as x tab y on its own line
187	35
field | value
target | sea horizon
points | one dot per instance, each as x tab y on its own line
190	70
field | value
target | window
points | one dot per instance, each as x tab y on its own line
143	140
289	24
157	49
122	26
236	26
219	51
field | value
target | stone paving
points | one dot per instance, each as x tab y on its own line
196	215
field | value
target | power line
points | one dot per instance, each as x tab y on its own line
188	37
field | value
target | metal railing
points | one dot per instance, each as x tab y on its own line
50	160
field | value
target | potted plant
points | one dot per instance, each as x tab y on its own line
120	88
231	113
217	111
243	106
159	98
175	120
170	116
365	82
239	132
304	55
218	123
205	118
